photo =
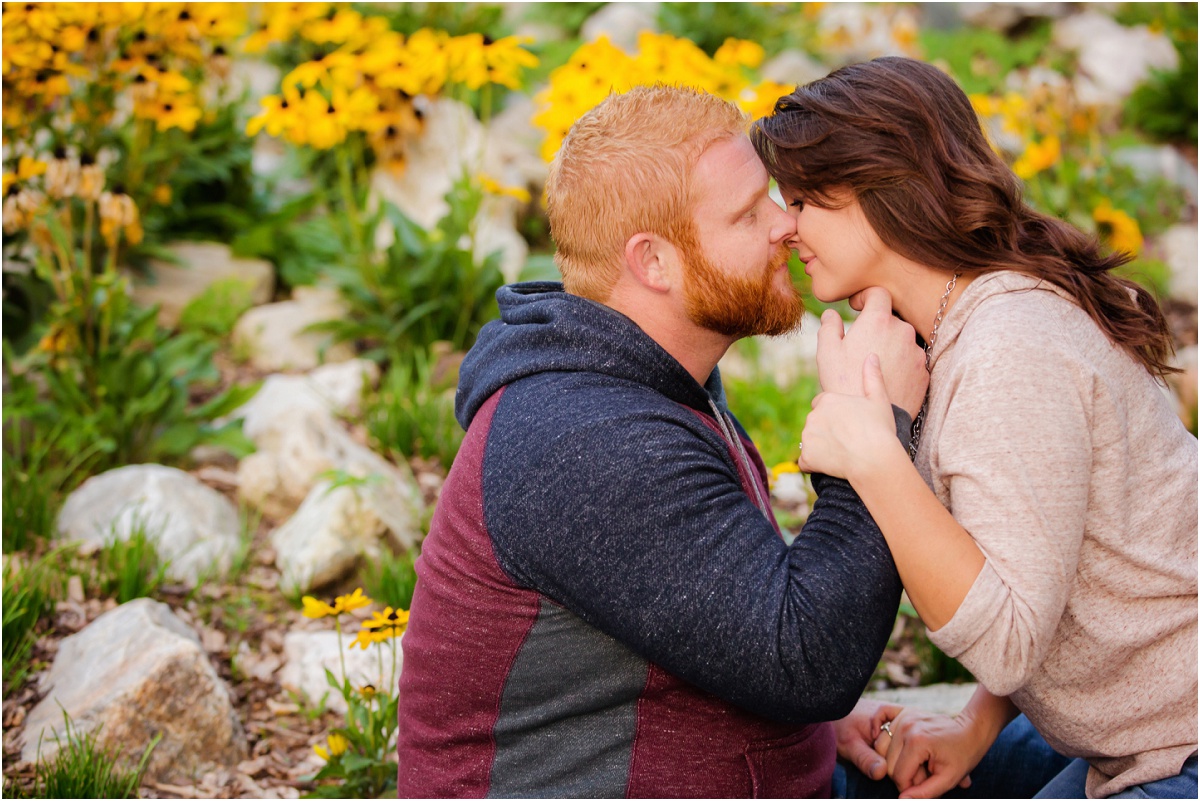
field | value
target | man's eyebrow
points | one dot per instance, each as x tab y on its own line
749	201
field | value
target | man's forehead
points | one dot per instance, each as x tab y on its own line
731	167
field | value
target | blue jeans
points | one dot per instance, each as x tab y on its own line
1017	765
1072	781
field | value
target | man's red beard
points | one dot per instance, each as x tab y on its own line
740	306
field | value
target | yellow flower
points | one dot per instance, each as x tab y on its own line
316	609
337	744
348	603
278	114
506	58
739	53
162	194
1118	228
388	617
30	167
368	691
382	626
1038	156
10	178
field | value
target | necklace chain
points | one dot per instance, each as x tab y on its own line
918	424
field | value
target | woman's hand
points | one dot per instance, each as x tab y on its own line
840	355
846	433
928	754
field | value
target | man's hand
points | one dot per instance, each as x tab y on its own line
840	356
856	734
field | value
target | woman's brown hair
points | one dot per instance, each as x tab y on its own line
903	136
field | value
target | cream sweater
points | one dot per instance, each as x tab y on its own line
1064	460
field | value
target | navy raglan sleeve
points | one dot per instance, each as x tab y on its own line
636	521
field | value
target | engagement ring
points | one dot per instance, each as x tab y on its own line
887	727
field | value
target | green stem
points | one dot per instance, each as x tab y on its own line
341	651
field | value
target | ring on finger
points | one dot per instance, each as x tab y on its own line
887	727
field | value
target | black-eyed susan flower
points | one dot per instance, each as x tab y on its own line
315	608
506	58
1119	229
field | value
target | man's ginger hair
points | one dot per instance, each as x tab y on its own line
626	168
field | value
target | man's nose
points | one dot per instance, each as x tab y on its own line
783	226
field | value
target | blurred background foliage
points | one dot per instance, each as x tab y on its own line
271	128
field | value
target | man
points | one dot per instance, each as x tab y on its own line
605	605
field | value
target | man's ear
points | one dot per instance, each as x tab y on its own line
652	260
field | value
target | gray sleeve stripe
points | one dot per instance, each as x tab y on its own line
568	713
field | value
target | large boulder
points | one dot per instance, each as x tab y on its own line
300	446
200	265
194	528
339	524
275	336
330	390
134	673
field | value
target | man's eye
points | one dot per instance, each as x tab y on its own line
797	204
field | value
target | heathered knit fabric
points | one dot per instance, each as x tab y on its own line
601	609
1063	459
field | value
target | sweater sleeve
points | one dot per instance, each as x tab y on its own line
1015	452
637	522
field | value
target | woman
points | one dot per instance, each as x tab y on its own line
1066	578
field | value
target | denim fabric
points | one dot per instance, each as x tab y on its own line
1017	765
1072	781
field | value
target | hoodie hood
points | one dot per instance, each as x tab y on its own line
544	329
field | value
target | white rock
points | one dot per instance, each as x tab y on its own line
308	654
298	445
794	67
454	140
334	527
621	23
331	389
1112	59
274	336
193	527
201	264
135	672
1180	248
